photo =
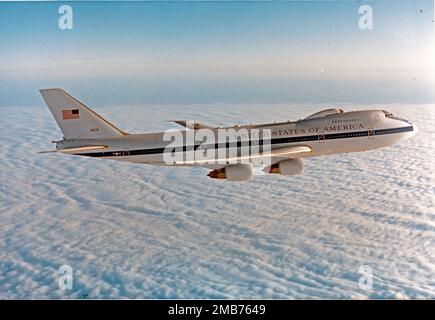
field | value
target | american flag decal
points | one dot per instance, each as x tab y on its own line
70	114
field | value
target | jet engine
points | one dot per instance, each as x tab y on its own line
233	172
288	167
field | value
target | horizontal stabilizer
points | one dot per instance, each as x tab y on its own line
193	124
75	150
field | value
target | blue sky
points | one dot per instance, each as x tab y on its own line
193	52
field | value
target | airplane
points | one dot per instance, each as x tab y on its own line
281	147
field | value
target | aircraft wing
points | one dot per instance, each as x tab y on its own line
193	124
276	155
290	151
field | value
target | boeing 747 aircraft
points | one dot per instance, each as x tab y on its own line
229	152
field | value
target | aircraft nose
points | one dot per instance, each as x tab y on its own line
414	129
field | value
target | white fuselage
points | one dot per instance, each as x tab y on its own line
326	134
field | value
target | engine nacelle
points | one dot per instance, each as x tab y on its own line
288	167
233	172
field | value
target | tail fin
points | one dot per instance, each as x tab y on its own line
75	119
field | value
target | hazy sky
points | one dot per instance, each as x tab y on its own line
184	52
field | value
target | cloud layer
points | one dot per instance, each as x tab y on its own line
136	231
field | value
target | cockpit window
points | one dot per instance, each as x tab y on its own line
392	116
388	114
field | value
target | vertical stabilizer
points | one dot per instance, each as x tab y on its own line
75	120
